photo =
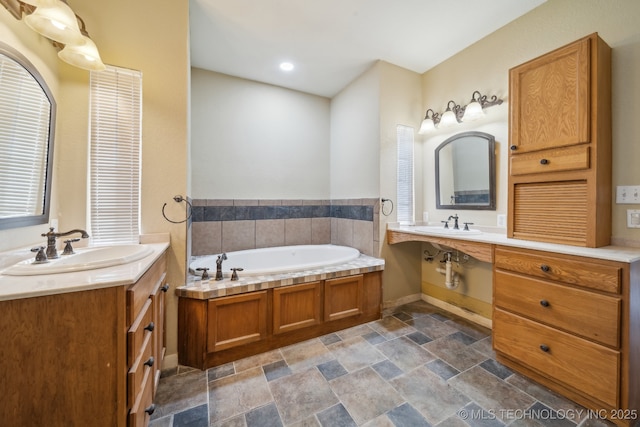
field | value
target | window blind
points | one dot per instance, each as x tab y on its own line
24	132
114	165
405	175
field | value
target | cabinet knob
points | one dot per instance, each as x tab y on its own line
544	161
151	409
150	327
513	147
545	268
544	348
149	362
544	303
165	288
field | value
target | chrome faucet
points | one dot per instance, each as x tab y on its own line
221	258
51	236
455	223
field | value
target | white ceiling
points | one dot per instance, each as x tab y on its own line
331	42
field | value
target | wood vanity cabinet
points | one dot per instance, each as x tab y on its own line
82	358
565	320
219	330
560	146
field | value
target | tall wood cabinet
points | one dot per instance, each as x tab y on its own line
560	146
87	358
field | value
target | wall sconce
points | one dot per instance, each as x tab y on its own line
55	20
455	113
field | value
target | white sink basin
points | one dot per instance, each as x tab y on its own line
83	259
439	229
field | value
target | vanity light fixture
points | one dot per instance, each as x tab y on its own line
455	113
55	20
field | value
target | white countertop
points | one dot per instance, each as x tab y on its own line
497	237
16	287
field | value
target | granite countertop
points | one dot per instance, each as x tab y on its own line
16	287
497	236
205	289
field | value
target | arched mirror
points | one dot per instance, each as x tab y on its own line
466	172
27	119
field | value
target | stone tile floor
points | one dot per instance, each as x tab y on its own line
418	366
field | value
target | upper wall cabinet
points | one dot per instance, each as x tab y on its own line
560	146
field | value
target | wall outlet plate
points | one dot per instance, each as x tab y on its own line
502	220
633	218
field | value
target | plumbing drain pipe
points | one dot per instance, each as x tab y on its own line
451	279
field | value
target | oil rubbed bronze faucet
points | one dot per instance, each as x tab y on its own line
221	258
51	236
455	223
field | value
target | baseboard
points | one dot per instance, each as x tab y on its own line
458	311
170	361
401	301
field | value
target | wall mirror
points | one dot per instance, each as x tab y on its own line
466	172
27	120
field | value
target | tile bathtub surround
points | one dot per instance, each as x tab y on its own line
232	225
418	366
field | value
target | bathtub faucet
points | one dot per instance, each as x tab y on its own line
219	265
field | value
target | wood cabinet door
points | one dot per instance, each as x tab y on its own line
297	306
343	297
550	99
236	320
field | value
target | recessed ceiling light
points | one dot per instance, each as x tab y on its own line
286	66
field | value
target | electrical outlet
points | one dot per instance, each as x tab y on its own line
633	218
425	217
54	223
502	220
628	194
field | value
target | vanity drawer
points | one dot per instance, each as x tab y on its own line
556	160
138	293
592	274
141	328
143	363
590	368
584	313
143	406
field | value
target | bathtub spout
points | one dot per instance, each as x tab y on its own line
221	258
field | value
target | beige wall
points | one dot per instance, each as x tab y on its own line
126	37
257	141
484	66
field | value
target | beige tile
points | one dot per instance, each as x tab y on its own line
274	202
342	232
238	235
297	231
232	395
355	353
220	202
490	392
363	236
455	353
320	231
269	233
246	202
206	238
404	353
301	395
365	394
429	394
306	354
178	392
257	360
390	327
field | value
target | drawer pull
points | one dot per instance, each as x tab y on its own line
150	327
544	161
165	288
545	268
149	362
151	409
544	303
544	348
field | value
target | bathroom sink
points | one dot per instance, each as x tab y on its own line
439	229
83	259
